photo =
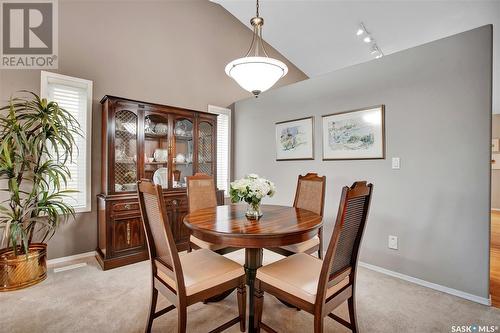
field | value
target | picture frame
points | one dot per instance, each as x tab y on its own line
294	139
354	135
495	145
495	161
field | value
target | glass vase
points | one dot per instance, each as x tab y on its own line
253	211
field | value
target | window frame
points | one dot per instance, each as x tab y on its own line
213	109
50	77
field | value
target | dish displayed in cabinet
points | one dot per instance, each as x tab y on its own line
161	177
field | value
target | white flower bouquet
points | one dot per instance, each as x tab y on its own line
251	189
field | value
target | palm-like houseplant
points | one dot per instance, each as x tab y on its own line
37	140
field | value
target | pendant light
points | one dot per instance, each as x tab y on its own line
256	71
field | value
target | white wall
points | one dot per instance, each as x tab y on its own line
438	121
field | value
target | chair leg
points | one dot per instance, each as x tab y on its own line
352	314
259	304
181	319
318	324
190	248
320	249
152	310
242	303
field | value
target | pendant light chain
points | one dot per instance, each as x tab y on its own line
257	45
258	31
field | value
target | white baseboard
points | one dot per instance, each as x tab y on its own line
69	267
438	287
495	209
70	258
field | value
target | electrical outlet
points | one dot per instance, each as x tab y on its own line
393	242
396	163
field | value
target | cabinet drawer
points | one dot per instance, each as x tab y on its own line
176	202
125	207
127	234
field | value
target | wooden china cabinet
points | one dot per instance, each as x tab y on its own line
157	142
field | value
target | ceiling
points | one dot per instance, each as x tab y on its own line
320	36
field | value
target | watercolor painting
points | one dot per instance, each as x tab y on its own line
294	139
357	134
351	134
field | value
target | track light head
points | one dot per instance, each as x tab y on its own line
368	39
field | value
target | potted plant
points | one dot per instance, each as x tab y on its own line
36	142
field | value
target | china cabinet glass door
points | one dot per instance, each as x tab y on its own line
125	171
205	148
156	148
183	147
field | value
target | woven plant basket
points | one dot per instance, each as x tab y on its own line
21	271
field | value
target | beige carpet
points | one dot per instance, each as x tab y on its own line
88	299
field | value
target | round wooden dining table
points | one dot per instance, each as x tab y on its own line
228	225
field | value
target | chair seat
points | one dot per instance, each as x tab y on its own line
205	245
297	275
202	269
303	246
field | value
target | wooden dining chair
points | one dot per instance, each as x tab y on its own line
310	195
201	194
317	286
187	279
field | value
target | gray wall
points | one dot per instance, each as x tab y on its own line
438	121
495	174
171	52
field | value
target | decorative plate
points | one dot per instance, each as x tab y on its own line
160	177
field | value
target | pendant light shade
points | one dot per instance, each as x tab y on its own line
255	72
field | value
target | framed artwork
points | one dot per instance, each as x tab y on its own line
295	139
354	135
495	161
495	145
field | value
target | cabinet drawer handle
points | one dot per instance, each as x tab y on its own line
127	206
174	202
128	233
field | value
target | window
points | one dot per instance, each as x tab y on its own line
223	146
75	96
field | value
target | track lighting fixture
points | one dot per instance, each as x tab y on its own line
368	38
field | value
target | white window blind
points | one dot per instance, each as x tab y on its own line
223	146
75	96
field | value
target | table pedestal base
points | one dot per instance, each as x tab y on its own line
253	260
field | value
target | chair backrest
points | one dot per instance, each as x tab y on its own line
342	253
201	192
310	193
161	244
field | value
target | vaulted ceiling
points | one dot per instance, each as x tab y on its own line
320	36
